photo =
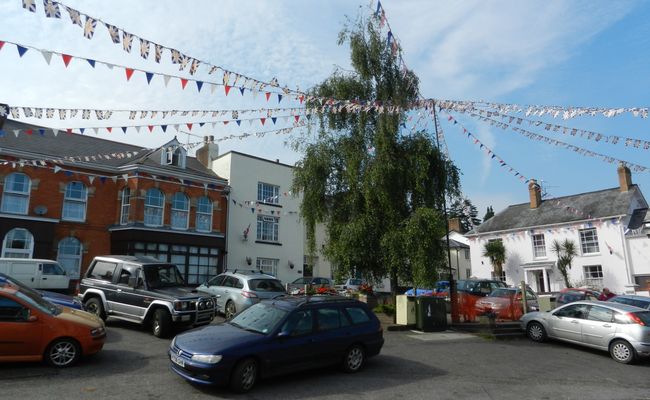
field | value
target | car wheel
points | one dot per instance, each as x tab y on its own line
230	309
244	376
622	351
94	306
354	359
62	353
161	323
536	332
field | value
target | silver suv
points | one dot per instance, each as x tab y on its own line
240	289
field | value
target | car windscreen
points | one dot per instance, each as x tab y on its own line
38	302
260	318
266	285
163	275
570	297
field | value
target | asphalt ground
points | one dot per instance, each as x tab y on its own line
447	365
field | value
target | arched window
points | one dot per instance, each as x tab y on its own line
180	211
18	243
154	207
126	206
15	197
204	214
74	202
69	256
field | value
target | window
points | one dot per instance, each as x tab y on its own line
18	243
267	193
154	205
357	315
539	246
468	273
299	323
11	311
74	202
601	314
52	269
594	276
501	278
204	214
174	155
589	241
180	211
268	265
267	228
330	318
579	311
69	256
467	254
15	198
103	270
126	206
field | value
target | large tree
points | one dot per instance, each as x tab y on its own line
379	191
489	213
463	209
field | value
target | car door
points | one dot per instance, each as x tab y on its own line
294	348
226	289
52	276
599	327
128	301
19	335
566	323
332	335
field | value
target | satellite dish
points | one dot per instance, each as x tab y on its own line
40	210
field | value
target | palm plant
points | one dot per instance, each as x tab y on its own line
496	252
566	252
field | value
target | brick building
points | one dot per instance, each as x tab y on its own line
71	197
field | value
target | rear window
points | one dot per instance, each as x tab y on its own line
631	302
357	314
266	285
644	316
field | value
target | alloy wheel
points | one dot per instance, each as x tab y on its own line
355	358
63	353
621	352
248	376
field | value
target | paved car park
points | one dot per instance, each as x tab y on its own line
134	365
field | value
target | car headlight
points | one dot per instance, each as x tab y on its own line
97	331
206	358
182	305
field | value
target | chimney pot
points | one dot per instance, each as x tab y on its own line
624	177
535	193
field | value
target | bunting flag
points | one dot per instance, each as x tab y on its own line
159	50
66	59
2	44
113	32
48	57
75	16
144	48
51	8
183	83
149	76
127	41
21	50
199	85
129	73
29	5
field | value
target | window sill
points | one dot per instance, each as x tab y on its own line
81	221
590	254
540	258
267	242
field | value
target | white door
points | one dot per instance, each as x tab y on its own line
25	272
52	276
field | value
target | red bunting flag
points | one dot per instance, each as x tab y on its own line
183	83
268	95
66	59
296	117
227	89
1	44
263	120
225	122
189	126
150	128
69	130
109	129
301	98
129	73
29	131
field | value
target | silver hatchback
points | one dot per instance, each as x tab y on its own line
238	290
621	329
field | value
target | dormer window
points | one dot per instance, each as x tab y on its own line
174	155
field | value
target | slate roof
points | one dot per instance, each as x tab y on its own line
50	146
580	207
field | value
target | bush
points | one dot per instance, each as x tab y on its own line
387	309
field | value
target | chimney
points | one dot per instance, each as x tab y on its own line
455	225
207	153
624	177
535	193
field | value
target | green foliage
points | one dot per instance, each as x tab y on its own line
496	252
372	186
463	209
388	309
566	252
489	213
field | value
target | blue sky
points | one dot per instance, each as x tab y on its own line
577	53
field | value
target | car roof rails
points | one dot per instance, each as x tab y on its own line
244	271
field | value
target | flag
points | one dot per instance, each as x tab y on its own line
51	9
176	57
194	66
129	73
227	89
113	32
149	76
91	62
21	50
184	61
127	41
159	50
199	85
66	59
89	28
47	55
183	82
29	5
144	48
75	17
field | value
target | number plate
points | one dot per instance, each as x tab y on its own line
177	360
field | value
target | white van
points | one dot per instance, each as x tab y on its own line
36	273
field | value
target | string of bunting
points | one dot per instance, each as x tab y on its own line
242	136
105	114
148	75
256	205
489	151
118	35
583	133
540	110
582	151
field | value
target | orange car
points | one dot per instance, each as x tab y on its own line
506	303
33	329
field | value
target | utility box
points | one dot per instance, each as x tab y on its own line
431	314
405	310
546	303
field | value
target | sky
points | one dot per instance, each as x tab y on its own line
546	53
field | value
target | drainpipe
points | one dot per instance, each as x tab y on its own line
626	257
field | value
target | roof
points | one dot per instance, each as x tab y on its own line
579	207
275	162
456	244
289	301
44	144
131	259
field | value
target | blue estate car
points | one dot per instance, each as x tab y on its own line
52	297
278	336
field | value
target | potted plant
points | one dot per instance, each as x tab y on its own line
367	295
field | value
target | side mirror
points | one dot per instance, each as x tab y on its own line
283	334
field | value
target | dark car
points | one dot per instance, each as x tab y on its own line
52	297
278	336
632	300
569	295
